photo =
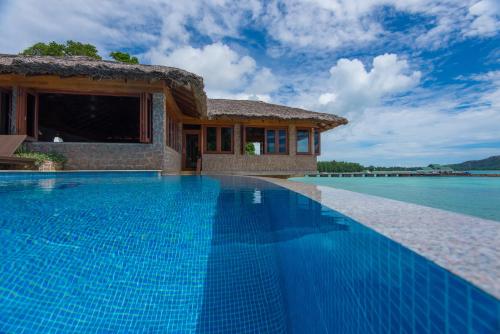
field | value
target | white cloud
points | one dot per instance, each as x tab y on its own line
485	16
226	73
448	125
333	24
351	88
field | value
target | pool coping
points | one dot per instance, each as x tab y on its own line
444	237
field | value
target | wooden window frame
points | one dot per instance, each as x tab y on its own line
22	113
9	106
319	141
218	139
145	118
145	112
172	132
309	146
276	139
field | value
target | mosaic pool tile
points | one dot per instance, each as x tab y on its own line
142	253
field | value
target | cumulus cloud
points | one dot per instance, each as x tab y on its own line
485	17
333	24
448	125
351	87
226	73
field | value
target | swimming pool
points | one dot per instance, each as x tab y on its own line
106	252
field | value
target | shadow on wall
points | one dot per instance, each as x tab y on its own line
280	262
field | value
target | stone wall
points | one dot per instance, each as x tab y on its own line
238	163
120	155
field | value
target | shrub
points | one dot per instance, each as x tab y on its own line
41	157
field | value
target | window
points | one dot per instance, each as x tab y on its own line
172	136
254	141
31	115
5	103
94	118
266	141
303	141
317	142
211	139
270	141
218	139
226	137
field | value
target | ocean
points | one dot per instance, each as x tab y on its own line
475	196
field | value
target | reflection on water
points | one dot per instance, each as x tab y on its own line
287	264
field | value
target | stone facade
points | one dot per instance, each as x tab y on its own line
243	164
116	156
158	156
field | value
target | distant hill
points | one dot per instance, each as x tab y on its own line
491	163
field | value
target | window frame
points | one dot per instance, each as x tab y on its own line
8	115
218	139
172	131
316	130
276	139
145	110
310	149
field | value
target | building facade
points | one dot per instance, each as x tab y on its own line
105	115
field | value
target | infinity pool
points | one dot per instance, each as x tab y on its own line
135	252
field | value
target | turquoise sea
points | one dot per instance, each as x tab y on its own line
476	196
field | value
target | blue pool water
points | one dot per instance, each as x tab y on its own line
475	196
111	253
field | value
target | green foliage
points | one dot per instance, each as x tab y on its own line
491	163
41	157
124	57
339	167
250	149
71	48
42	49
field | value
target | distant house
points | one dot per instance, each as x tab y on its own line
111	115
436	169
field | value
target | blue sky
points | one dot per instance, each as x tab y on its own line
419	80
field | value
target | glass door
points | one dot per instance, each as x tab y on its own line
191	149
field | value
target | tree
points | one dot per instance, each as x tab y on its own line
124	57
71	48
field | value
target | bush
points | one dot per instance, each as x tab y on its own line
250	149
41	157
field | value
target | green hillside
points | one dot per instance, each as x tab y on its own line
491	163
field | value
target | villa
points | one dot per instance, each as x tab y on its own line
107	115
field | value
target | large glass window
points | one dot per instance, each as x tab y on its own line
211	139
218	139
271	141
303	141
317	142
90	118
226	139
282	141
5	105
31	115
266	141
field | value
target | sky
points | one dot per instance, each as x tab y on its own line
418	80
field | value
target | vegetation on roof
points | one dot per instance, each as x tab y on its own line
72	48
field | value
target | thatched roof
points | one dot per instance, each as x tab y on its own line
185	85
248	110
